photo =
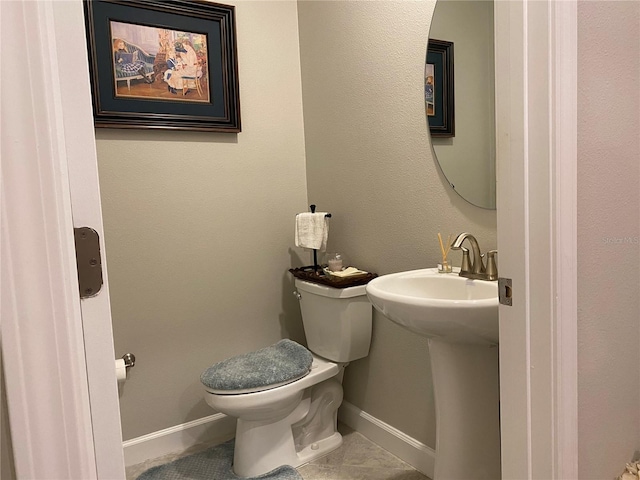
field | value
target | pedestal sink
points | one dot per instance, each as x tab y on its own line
460	318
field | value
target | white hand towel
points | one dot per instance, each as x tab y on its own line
312	230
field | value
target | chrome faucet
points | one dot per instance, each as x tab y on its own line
476	268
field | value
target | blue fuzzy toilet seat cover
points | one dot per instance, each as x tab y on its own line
281	363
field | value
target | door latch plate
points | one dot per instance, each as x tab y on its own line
88	261
505	291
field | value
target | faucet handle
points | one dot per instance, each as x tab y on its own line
465	266
492	268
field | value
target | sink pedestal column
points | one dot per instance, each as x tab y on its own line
467	394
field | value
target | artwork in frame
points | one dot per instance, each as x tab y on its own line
439	88
163	65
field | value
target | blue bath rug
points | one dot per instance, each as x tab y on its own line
212	464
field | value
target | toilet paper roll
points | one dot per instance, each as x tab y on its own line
121	370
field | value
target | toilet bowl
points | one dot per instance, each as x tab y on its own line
294	420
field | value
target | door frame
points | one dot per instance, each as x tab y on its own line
43	334
57	350
536	112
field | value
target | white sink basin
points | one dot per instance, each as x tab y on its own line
440	306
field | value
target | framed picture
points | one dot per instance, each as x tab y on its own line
438	88
163	65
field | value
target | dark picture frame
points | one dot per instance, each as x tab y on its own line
188	80
439	90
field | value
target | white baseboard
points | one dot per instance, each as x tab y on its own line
212	430
408	449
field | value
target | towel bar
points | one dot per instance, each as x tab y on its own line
312	207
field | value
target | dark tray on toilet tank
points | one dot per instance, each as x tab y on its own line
310	274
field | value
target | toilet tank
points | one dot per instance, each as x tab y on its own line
337	321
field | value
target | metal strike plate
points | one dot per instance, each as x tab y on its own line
505	291
88	261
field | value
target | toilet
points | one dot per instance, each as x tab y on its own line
289	416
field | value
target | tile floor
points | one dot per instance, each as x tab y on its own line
357	459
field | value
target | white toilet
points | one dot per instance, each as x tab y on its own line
294	423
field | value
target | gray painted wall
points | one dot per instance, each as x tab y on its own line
199	231
369	163
608	232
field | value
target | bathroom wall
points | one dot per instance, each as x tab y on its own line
199	230
369	163
608	233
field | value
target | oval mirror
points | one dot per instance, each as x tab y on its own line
460	97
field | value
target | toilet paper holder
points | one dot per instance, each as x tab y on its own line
129	360
123	365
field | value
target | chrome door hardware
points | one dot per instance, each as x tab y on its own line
88	261
505	292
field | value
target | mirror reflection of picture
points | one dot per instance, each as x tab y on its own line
429	94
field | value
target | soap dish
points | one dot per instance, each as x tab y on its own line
349	272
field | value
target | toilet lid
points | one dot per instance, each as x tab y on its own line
270	367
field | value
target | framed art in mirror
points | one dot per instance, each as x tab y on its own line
163	65
439	88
